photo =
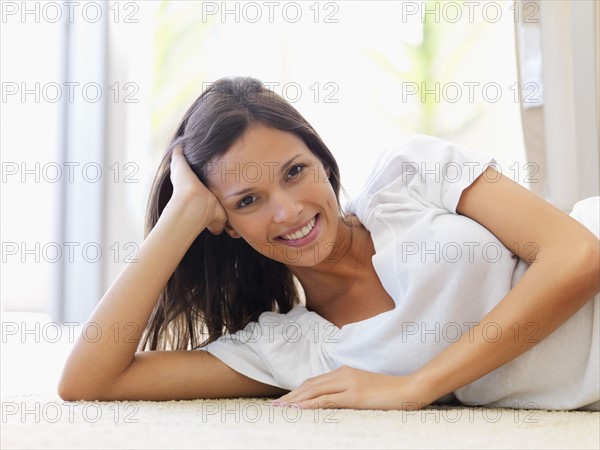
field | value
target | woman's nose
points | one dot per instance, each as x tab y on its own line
285	208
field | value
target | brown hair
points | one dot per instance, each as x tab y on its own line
222	283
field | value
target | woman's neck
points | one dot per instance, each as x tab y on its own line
333	277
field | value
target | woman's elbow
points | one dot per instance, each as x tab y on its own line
72	391
594	261
589	267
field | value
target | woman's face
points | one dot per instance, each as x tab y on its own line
277	196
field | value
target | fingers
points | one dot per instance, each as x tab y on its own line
313	388
177	151
323	402
327	401
216	230
176	154
218	225
182	175
188	185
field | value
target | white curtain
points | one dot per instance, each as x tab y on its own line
558	70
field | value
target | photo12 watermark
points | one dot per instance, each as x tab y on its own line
271	12
70	412
70	11
472	252
470	92
291	91
72	252
289	332
469	11
450	332
69	171
518	412
61	332
253	412
466	172
68	91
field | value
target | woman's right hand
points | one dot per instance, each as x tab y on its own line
188	188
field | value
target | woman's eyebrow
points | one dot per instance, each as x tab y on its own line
289	162
243	191
246	190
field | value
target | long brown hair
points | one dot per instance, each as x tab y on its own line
222	283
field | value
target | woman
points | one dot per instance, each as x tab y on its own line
405	303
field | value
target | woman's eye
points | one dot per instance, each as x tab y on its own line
295	170
242	203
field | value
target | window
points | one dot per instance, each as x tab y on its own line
365	74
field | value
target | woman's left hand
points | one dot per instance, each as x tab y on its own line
346	387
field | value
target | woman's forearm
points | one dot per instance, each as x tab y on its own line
123	312
550	292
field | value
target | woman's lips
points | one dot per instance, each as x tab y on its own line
306	239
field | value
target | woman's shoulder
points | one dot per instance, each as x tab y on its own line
420	168
394	165
297	311
416	154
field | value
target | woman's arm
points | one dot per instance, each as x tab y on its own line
124	311
564	274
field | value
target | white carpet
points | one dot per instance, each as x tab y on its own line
33	416
45	421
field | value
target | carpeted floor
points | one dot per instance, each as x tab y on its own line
33	416
45	421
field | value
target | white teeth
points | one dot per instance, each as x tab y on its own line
301	233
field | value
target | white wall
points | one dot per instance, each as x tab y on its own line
571	116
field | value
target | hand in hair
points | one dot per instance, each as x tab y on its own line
188	189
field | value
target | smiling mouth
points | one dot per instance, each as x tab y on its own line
302	233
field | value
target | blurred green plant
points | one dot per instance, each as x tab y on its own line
433	60
179	40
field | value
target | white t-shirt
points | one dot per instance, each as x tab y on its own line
445	272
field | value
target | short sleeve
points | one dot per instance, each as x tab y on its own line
430	170
241	353
281	350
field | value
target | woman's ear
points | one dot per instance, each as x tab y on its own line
231	232
328	171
